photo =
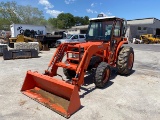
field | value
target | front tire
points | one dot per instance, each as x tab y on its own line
125	60
69	73
102	75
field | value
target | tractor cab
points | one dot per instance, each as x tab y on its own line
105	28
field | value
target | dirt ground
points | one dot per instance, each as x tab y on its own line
133	97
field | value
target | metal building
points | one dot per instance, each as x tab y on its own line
78	29
137	27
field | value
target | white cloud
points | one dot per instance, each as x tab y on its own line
95	4
91	11
69	1
54	13
109	13
46	3
48	7
92	5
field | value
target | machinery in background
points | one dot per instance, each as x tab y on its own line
25	38
21	40
149	39
28	30
34	33
24	45
26	33
51	39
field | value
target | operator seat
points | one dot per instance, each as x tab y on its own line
108	32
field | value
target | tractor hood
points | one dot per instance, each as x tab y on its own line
89	44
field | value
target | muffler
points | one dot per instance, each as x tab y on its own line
53	93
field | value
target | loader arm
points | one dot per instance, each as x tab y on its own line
57	57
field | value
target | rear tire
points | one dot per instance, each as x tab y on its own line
102	75
125	60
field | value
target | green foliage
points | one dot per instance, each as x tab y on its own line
29	15
81	20
11	12
67	20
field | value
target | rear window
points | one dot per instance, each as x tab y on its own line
81	36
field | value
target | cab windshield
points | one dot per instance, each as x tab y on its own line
99	30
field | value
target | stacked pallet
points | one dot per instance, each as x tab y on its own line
24	45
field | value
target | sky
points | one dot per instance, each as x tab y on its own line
128	9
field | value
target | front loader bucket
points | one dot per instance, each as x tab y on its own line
55	94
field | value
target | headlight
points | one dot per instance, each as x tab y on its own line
77	55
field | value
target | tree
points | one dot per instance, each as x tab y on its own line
30	15
66	19
86	20
4	24
53	22
10	13
81	20
78	20
43	22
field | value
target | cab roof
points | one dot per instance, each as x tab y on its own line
102	18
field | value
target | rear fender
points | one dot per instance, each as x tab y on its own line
119	47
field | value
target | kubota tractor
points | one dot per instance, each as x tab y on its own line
103	50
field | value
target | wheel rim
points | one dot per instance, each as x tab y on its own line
106	75
130	62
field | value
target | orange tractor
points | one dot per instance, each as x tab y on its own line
103	50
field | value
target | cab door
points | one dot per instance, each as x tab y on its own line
115	39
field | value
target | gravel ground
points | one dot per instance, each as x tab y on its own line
124	98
